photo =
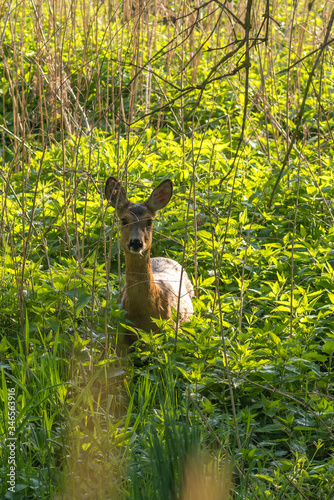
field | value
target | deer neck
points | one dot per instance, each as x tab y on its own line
140	283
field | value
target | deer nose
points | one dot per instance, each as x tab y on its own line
135	245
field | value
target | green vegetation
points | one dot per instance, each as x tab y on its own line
233	102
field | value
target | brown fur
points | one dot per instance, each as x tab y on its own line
152	285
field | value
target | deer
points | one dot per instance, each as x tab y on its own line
152	285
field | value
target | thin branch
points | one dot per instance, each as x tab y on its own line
237	20
246	64
305	57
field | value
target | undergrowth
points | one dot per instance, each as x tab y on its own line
233	103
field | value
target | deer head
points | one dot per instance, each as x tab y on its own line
137	218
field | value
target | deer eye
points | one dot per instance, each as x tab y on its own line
124	222
149	222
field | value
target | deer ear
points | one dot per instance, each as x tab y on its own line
160	196
115	194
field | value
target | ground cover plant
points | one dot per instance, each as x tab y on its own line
233	102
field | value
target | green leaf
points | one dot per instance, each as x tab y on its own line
328	347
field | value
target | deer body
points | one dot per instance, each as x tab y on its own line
152	285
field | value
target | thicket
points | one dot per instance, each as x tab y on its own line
233	102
